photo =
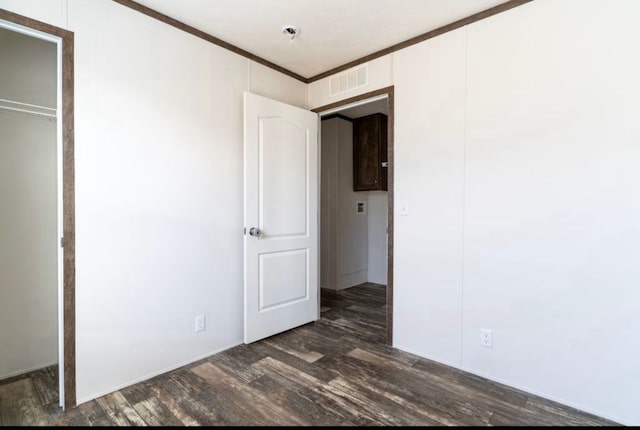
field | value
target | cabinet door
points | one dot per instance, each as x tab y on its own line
370	153
366	153
384	170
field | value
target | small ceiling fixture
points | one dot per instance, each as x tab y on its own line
291	31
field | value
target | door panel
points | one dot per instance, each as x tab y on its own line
283	278
283	158
281	202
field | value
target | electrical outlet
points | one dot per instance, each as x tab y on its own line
486	338
200	326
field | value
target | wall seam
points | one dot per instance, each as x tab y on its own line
307	90
248	75
464	188
66	13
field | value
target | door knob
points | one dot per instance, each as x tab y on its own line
255	232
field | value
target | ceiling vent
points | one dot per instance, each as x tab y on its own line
349	80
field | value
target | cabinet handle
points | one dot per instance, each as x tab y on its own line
385	164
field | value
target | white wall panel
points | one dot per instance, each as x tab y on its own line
267	82
377	210
52	12
429	177
345	234
158	195
551	207
28	243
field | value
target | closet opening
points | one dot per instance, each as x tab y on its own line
37	233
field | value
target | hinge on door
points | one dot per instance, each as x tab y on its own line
62	242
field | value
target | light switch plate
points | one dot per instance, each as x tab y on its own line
403	208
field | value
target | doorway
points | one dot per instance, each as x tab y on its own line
356	232
37	128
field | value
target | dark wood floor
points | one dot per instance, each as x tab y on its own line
335	371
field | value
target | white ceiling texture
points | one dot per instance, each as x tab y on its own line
331	32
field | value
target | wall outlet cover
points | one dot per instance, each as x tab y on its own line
200	323
486	338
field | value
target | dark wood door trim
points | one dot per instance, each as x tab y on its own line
68	196
389	91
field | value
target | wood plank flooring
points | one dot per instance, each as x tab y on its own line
335	371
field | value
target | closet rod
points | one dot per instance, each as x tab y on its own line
13	106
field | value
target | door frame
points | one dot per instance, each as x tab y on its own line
64	40
354	101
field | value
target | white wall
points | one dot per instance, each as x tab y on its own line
552	207
516	150
268	83
328	204
53	12
353	246
28	244
429	176
159	195
28	69
377	240
28	205
158	147
348	249
352	227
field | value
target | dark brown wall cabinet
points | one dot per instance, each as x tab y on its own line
370	153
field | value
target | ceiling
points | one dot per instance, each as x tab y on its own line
332	32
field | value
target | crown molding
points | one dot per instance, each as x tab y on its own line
421	38
206	36
414	40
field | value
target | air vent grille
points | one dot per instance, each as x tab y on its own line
349	80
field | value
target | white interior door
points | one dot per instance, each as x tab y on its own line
280	217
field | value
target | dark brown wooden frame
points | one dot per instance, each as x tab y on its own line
389	91
68	196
